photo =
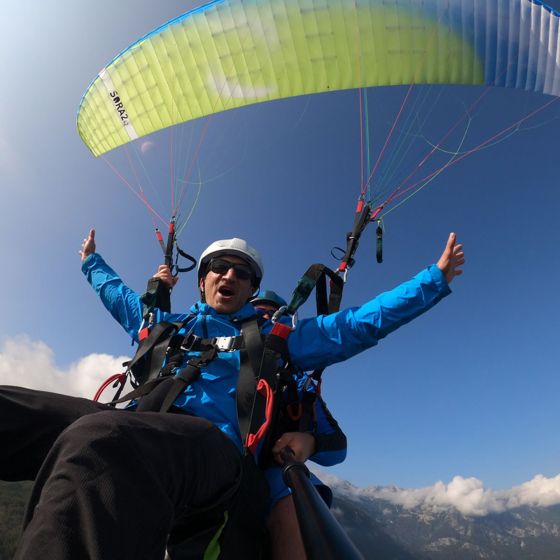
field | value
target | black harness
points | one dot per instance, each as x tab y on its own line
157	387
268	402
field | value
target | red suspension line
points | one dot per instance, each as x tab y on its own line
446	135
140	195
362	187
139	183
389	136
172	166
395	194
192	163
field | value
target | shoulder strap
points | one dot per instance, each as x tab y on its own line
273	371
315	277
174	386
147	362
251	358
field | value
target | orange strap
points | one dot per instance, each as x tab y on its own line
253	440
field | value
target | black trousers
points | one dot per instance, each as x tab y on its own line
109	483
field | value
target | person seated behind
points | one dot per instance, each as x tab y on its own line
321	441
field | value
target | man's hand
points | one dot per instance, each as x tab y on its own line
451	259
164	274
88	245
301	443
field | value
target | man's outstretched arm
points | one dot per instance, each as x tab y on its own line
328	339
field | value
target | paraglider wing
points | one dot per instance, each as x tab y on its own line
232	53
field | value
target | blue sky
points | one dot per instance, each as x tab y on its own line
469	389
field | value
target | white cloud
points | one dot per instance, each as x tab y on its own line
539	492
467	495
29	363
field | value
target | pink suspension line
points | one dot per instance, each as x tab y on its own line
473	150
389	136
360	101
172	167
139	195
441	141
194	159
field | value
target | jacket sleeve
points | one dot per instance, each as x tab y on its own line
123	303
330	440
321	341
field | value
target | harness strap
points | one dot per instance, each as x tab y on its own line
251	357
301	412
140	391
194	343
163	388
177	384
315	277
264	413
157	343
157	294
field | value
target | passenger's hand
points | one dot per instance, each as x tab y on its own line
88	245
452	259
301	443
164	274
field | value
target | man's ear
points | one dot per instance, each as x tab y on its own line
201	288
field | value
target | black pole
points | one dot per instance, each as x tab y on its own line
323	537
168	257
161	290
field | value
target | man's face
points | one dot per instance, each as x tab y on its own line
226	292
265	309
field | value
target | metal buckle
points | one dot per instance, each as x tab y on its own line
189	342
224	343
284	311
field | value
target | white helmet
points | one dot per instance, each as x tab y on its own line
235	246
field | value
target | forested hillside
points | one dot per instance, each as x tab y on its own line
13	496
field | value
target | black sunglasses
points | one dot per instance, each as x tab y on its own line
221	266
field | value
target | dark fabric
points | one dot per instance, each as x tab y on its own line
114	482
30	422
243	536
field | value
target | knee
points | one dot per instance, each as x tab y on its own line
93	430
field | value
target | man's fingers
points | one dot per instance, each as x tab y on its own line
451	241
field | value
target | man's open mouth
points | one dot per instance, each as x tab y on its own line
225	291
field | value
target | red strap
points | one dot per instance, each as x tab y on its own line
281	330
117	377
144	333
253	440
